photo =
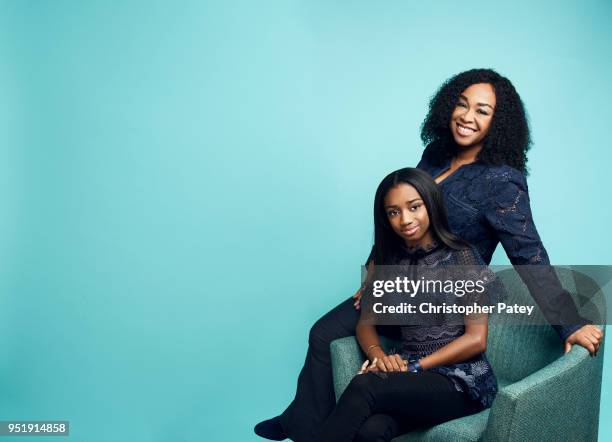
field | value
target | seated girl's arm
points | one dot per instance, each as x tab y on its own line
471	343
366	334
368	339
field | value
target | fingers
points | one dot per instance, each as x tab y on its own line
599	335
381	365
394	364
590	347
388	361
596	329
357	298
589	337
589	341
596	333
593	330
595	341
403	364
374	366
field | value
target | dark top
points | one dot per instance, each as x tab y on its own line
489	204
473	376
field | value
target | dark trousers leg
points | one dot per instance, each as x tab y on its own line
314	398
374	408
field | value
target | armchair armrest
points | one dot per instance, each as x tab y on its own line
557	402
346	359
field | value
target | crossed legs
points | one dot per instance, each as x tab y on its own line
375	408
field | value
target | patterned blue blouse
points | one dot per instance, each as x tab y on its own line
489	204
473	376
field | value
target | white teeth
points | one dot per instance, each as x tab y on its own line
465	130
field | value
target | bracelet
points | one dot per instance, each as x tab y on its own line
415	367
370	348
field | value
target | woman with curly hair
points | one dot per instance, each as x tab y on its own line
477	138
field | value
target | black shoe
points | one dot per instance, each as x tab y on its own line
271	429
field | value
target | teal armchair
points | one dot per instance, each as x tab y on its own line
543	394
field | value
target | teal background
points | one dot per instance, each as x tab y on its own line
187	186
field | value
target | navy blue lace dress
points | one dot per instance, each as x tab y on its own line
489	204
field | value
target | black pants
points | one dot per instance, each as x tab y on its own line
374	408
315	398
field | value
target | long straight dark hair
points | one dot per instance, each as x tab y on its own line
387	243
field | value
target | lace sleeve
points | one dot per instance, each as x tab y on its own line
508	212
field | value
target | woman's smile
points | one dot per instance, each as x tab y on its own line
464	131
471	119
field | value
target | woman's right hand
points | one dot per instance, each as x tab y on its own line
357	298
388	363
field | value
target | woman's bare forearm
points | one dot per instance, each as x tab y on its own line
368	339
366	334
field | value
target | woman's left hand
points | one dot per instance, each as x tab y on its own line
589	336
364	366
388	363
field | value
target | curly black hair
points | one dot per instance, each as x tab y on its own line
509	136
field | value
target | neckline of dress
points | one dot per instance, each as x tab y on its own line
422	250
447	166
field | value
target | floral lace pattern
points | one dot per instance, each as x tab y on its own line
474	376
489	204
